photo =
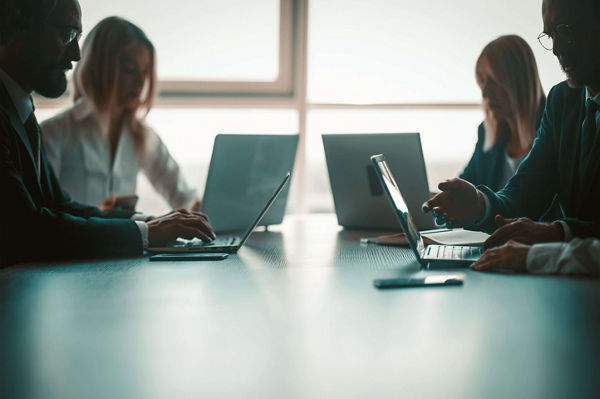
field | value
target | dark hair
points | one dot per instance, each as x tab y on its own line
22	15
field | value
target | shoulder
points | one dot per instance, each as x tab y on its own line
58	124
563	94
480	133
153	140
72	118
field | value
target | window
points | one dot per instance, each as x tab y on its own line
404	51
320	66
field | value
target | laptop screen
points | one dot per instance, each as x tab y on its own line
397	201
265	209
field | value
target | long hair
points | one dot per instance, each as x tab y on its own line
97	75
512	64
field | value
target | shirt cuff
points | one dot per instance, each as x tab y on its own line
143	232
140	217
567	230
487	206
543	258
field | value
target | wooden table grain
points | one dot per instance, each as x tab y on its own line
293	315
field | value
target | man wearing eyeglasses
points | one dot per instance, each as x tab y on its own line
38	43
564	161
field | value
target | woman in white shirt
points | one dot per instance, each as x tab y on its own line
98	146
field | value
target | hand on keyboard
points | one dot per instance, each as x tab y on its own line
179	223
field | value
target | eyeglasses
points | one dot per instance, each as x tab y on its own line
68	34
563	31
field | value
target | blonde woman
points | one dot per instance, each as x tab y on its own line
98	146
513	102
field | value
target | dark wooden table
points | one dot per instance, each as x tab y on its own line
293	315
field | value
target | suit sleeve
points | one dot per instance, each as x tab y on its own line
471	171
32	233
532	189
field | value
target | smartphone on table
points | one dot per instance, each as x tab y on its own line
427	281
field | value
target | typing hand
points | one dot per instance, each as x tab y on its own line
179	223
525	231
511	255
459	204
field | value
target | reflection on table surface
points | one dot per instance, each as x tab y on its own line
294	314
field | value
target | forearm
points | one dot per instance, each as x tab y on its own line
573	258
88	211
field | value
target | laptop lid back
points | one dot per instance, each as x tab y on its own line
242	172
262	213
394	195
358	197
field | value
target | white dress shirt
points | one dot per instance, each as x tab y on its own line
81	158
575	257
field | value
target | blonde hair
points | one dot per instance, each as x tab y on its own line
97	75
512	64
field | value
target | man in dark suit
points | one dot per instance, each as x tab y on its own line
565	158
38	42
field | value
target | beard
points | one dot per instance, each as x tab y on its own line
51	83
44	76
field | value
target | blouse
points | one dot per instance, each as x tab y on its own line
81	158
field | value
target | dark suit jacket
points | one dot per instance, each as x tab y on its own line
486	167
553	168
38	220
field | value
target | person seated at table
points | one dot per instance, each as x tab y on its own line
565	158
38	43
513	103
98	145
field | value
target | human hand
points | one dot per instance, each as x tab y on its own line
196	206
459	204
179	223
525	231
113	202
108	204
511	255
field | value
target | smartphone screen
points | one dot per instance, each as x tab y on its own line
428	281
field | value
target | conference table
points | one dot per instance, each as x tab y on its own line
294	314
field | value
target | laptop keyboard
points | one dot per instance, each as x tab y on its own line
452	252
217	242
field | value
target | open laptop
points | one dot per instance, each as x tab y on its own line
432	255
244	166
359	200
222	244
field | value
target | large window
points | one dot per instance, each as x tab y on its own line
403	51
320	66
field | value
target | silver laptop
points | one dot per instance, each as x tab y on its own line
432	255
242	170
223	244
359	200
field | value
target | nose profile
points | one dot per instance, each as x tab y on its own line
74	51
